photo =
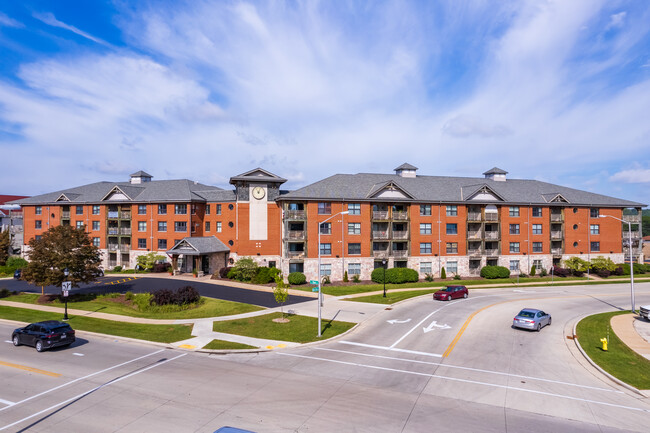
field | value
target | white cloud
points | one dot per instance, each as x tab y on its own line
616	21
6	21
49	19
632	176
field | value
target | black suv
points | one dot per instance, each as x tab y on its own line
44	335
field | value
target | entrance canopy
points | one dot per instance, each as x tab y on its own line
199	246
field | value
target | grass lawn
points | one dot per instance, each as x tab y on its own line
159	333
226	345
300	329
210	308
391	298
620	361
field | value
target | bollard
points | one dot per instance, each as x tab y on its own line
604	341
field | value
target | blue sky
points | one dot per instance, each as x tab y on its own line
557	91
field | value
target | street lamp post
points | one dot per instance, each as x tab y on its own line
320	294
383	263
629	232
65	295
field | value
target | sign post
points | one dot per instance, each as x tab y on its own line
65	288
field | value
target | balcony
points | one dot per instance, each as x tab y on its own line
65	214
400	253
125	215
491	216
400	215
491	236
634	219
473	252
113	230
556	217
295	215
401	234
125	231
474	216
556	251
380	215
380	254
113	247
380	234
556	234
491	252
125	248
295	235
477	234
296	254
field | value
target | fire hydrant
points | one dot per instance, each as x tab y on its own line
604	341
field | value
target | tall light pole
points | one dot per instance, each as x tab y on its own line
383	263
629	232
65	294
320	294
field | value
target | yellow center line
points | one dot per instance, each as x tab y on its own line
469	319
31	369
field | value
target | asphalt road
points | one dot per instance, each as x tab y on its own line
127	282
420	366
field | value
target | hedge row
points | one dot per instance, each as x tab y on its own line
395	275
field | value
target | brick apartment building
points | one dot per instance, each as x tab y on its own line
366	219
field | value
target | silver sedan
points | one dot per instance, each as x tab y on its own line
530	318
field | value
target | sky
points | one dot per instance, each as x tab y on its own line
557	91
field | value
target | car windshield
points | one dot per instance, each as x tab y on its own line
526	314
62	328
448	289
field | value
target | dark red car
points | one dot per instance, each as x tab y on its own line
451	292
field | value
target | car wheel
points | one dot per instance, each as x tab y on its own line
39	346
549	321
465	295
539	327
15	340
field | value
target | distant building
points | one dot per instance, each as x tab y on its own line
11	218
403	219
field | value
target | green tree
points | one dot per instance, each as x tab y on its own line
62	247
577	265
280	293
443	273
244	270
5	244
147	261
602	263
645	223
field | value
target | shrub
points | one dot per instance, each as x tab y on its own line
443	273
128	296
639	268
395	275
263	276
523	275
561	272
4	293
117	268
601	262
428	277
576	265
619	270
297	278
625	267
15	262
161	267
244	270
533	271
356	278
223	272
345	277
603	273
456	277
182	296
377	275
491	272
543	272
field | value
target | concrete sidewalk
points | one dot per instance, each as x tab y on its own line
634	331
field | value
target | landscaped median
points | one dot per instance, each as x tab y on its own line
619	360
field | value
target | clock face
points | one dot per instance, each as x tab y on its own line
258	192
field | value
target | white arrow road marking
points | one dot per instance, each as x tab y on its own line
434	325
8	341
394	321
78	354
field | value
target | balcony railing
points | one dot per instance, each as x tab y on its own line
491	236
380	234
125	248
380	215
556	251
65	214
556	217
125	215
380	253
400	234
477	234
400	215
113	247
474	252
295	215
296	254
491	216
556	234
296	235
474	216
632	218
400	253
125	231
491	252
113	230
113	214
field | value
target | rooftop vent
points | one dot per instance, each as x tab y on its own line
406	170
140	177
496	174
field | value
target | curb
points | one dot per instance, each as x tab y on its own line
614	379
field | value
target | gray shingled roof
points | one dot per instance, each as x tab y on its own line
406	166
262	176
199	245
495	170
141	174
432	189
182	190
